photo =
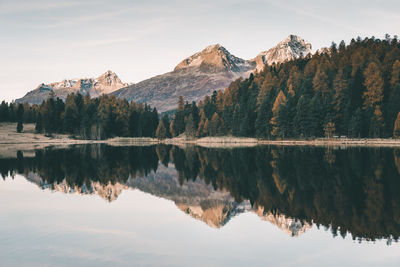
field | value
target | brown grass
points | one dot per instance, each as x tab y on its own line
11	141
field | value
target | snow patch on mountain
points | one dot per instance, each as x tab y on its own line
293	47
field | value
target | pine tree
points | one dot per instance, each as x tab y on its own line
356	124
236	119
206	128
264	116
396	131
320	82
161	132
377	122
20	116
200	127
39	123
340	101
190	129
393	107
316	114
165	120
4	113
302	120
181	104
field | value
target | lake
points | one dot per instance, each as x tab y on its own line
100	205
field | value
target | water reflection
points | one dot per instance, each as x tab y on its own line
354	191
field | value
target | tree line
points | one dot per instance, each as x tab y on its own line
96	118
348	90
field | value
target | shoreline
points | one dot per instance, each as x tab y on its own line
29	140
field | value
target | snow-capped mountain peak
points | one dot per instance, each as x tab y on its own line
106	83
214	58
293	47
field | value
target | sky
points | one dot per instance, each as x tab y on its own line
44	41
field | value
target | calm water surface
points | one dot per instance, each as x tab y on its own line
167	206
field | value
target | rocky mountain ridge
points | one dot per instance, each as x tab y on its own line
200	74
213	68
106	83
293	47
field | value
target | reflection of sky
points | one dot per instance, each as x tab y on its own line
49	40
41	227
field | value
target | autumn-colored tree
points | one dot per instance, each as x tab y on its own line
206	130
280	100
374	83
329	129
377	122
321	82
293	80
181	103
161	132
215	125
395	77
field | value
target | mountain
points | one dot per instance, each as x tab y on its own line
104	84
196	76
293	47
214	58
211	69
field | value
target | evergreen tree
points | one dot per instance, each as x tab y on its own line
264	115
161	132
340	101
320	82
393	107
190	128
356	124
166	122
39	123
396	131
4	113
20	115
302	120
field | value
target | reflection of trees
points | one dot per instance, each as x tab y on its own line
358	191
83	164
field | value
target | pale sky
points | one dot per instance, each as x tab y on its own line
51	40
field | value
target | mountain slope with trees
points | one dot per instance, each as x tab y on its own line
347	90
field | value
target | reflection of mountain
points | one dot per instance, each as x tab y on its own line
353	191
109	192
195	198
